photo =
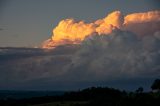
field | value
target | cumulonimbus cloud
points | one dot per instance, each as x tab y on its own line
69	31
119	55
113	48
143	24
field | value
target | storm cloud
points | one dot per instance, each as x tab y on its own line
123	50
70	31
118	56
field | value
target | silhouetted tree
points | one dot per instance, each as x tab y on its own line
139	90
156	85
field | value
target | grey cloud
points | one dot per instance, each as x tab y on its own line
27	64
116	57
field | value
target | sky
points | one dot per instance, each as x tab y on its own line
28	23
74	44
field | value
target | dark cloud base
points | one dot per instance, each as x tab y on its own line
119	60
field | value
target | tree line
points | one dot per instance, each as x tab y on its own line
97	96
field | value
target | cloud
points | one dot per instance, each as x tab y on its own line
116	48
109	23
118	56
20	65
143	23
70	31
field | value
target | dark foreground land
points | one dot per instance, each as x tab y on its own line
94	96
